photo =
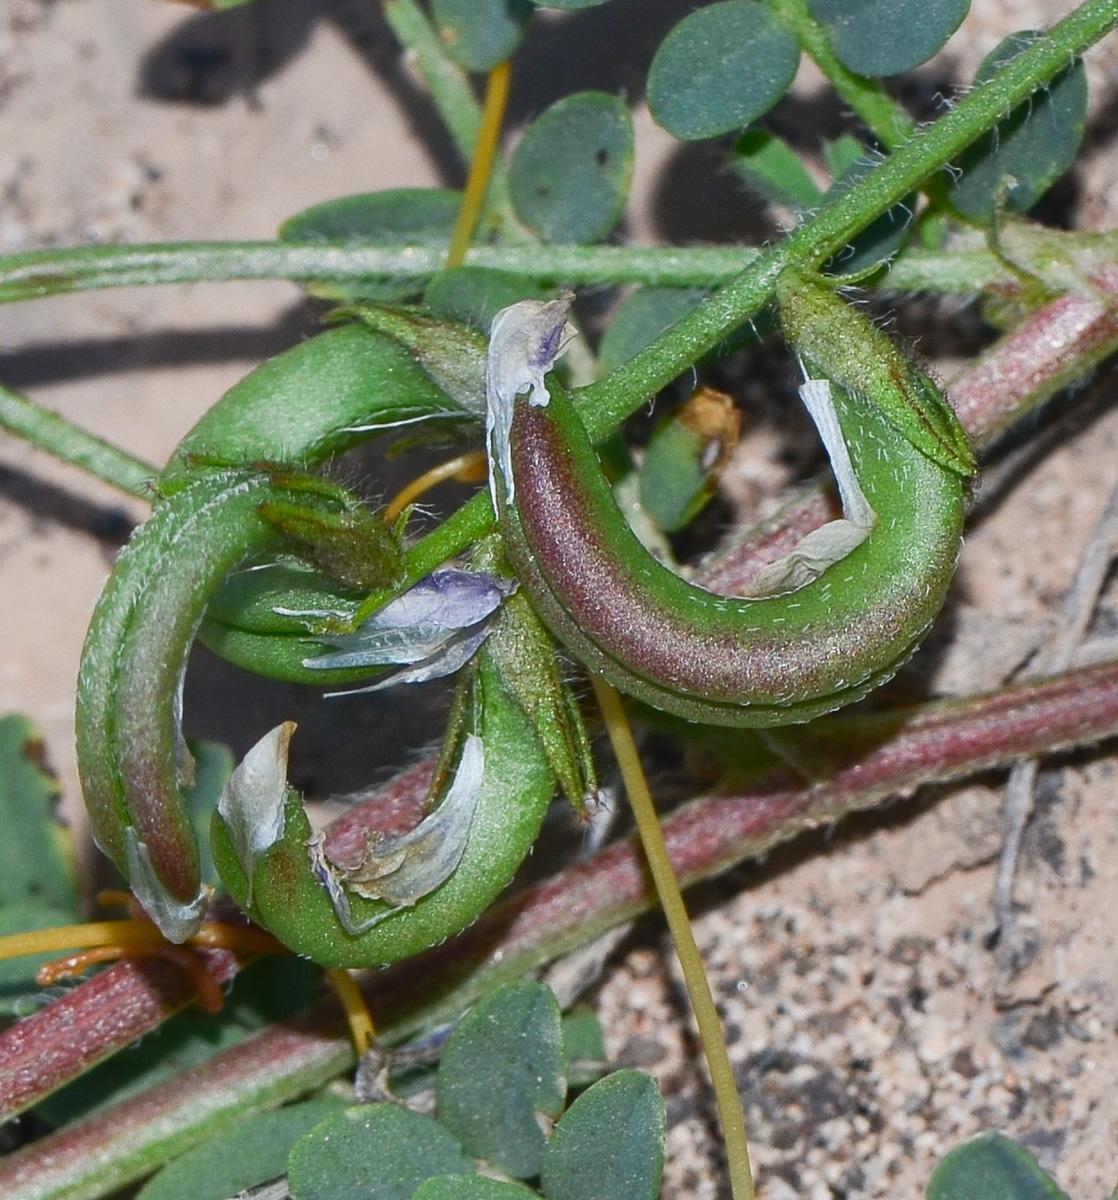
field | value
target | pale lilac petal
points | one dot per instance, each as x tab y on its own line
525	339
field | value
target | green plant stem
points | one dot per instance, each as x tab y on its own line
867	98
67	442
966	267
448	83
683	938
38	273
606	403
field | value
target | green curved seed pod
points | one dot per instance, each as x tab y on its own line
840	344
314	401
290	900
131	757
756	662
251	622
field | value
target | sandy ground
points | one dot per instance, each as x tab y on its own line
869	1024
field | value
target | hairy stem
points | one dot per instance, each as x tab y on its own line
67	442
867	98
856	763
605	403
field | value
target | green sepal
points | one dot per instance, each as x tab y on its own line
531	670
289	900
836	342
354	546
269	620
452	355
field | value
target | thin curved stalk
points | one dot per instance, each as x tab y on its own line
69	444
683	938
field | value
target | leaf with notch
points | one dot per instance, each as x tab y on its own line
609	1144
720	68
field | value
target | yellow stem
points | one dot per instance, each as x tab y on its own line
679	925
468	468
356	1011
477	182
128	933
74	937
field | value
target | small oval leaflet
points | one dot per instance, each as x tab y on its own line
886	37
570	175
479	34
609	1145
503	1077
378	1151
720	69
1021	157
991	1167
403	216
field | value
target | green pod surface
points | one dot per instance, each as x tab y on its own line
314	401
287	898
131	758
725	661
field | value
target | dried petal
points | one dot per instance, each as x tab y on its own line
432	630
832	542
252	801
174	919
525	339
420	623
403	868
